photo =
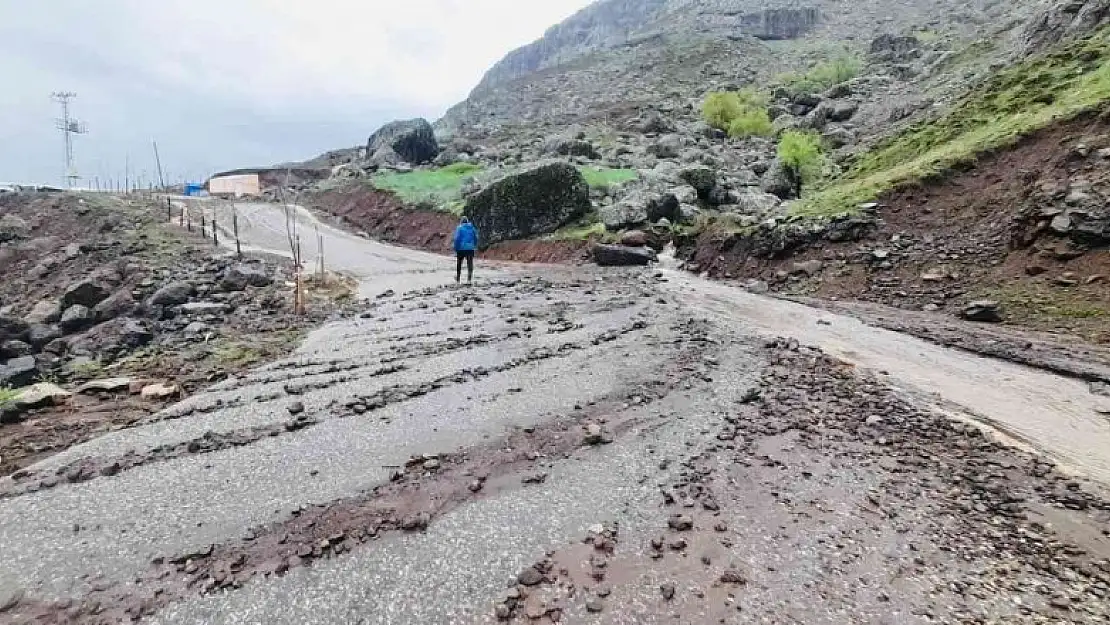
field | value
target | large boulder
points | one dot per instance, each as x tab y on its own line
239	277
13	329
534	201
84	293
173	294
413	140
620	255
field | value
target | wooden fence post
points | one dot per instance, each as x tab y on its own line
235	227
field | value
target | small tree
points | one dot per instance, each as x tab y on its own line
801	152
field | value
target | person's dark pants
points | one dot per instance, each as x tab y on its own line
467	255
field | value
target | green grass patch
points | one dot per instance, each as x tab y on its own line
1014	102
7	394
439	189
604	177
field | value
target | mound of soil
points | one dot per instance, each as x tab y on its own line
979	233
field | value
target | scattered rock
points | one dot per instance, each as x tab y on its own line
84	293
107	385
14	349
809	268
680	522
982	310
159	391
595	606
295	408
76	317
634	238
119	304
19	372
41	394
204	308
44	311
12	329
733	576
173	294
667	590
530	577
241	276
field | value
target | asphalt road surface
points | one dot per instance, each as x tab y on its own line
578	445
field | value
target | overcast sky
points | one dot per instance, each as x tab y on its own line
236	83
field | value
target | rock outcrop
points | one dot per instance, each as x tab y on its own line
534	201
1064	19
777	24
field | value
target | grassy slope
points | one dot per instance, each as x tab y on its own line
439	189
1015	102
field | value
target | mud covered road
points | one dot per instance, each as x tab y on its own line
579	446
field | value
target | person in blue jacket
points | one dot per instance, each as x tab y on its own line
466	242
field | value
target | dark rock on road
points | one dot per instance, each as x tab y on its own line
621	255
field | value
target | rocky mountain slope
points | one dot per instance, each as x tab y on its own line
878	96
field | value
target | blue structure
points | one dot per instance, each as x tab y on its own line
194	188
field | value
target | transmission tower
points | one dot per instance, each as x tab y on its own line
69	127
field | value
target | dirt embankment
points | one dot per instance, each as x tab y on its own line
108	313
1025	227
381	215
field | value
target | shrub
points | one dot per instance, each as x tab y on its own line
723	109
720	108
801	151
751	123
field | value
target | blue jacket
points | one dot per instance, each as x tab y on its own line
466	238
